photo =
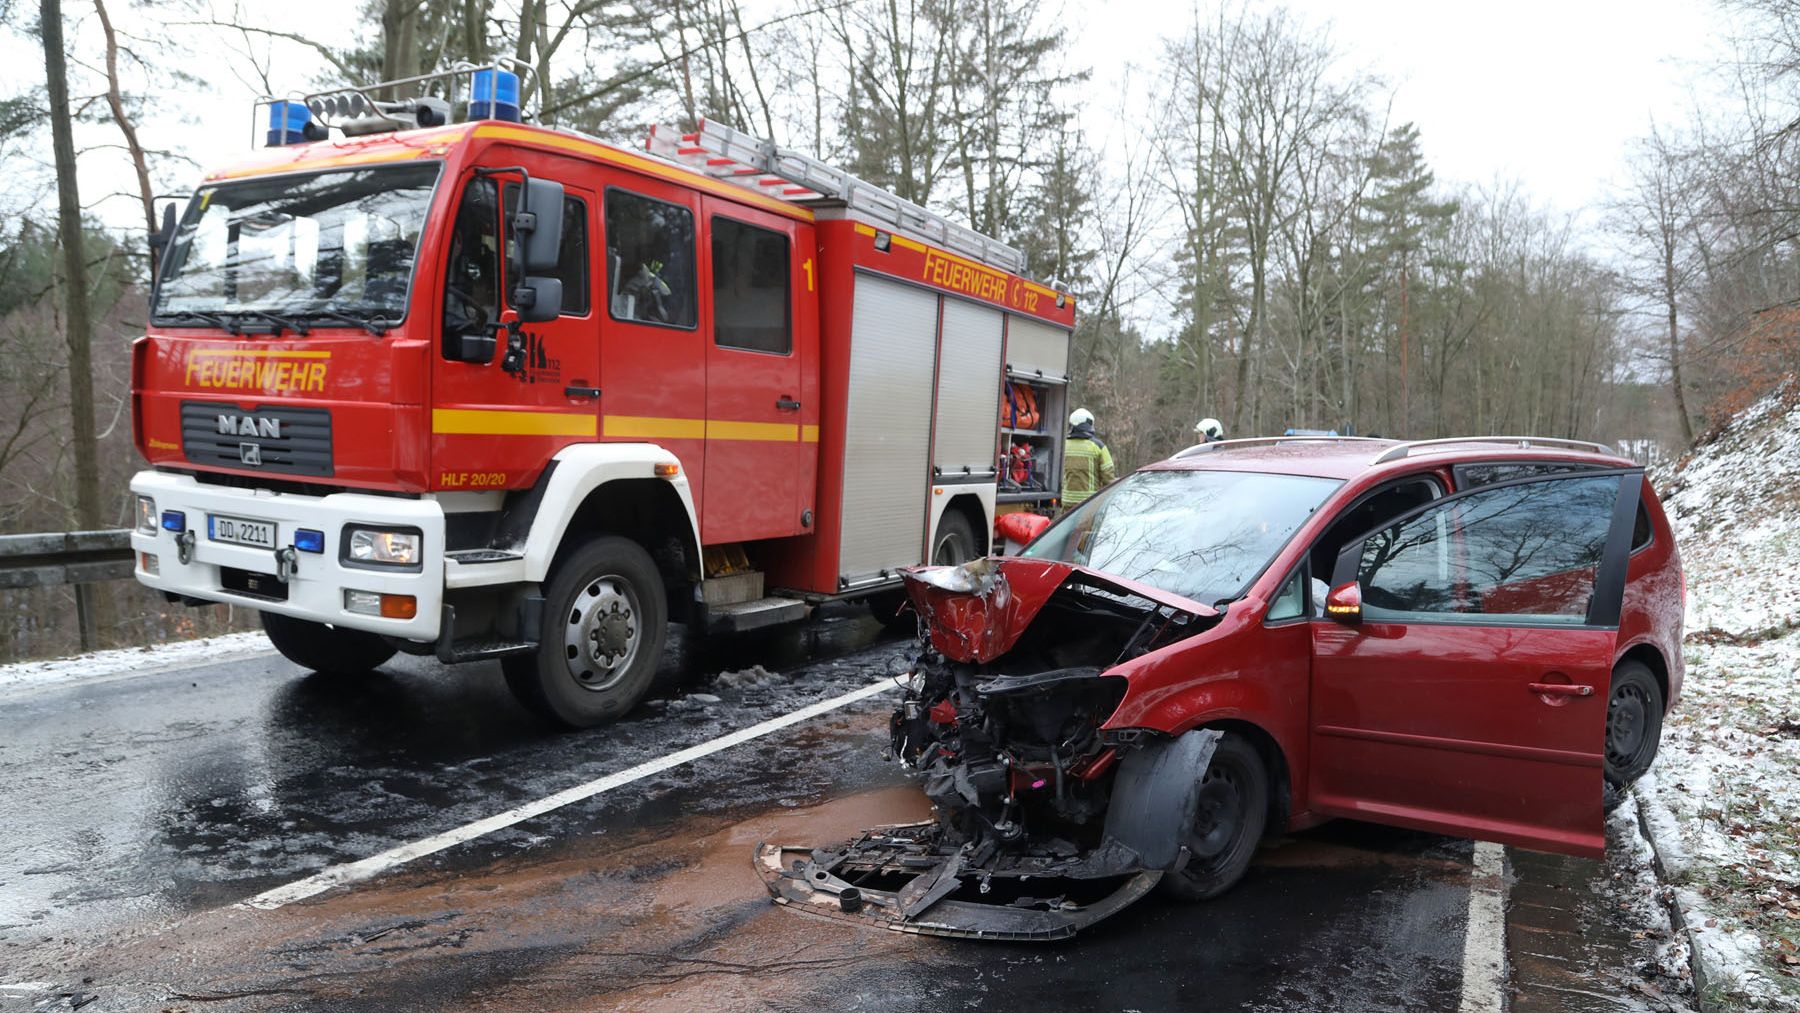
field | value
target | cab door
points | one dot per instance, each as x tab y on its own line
1470	698
759	464
496	418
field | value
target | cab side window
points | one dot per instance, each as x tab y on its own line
751	306
650	275
472	275
571	254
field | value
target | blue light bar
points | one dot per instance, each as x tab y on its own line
174	520
494	95
309	540
287	123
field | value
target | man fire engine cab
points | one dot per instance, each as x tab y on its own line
487	390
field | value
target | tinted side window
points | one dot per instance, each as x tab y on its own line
751	308
472	275
1527	551
1471	476
1641	532
571	254
650	260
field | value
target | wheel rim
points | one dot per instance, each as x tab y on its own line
1219	817
950	550
1627	726
602	633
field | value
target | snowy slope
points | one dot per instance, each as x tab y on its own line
1723	801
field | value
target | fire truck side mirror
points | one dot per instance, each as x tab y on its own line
538	299
161	238
539	225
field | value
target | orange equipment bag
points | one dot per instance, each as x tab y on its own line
1021	527
1021	411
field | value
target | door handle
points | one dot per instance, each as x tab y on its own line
1560	689
581	392
787	404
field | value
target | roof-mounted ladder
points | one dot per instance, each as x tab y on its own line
755	164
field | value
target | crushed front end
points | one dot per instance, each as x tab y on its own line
1044	822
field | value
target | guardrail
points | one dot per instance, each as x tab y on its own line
67	557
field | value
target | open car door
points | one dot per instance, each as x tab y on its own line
1469	695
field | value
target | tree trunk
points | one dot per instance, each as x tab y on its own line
1687	425
79	330
116	102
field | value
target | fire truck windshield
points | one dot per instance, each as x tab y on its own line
330	246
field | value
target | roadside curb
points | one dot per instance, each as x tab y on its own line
1672	899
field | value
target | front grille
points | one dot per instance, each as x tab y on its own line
280	440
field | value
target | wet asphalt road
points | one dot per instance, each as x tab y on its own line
138	813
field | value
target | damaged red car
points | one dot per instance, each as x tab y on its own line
1477	637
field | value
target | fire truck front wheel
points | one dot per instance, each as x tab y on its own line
330	650
605	616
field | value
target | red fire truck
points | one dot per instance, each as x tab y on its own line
488	390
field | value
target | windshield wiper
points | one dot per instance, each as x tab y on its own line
297	326
212	318
375	323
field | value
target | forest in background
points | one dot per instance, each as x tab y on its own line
1257	240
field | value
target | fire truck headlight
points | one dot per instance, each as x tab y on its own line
382	547
146	516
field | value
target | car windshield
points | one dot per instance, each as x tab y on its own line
1204	535
325	244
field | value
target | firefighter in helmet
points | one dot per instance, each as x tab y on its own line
1087	464
1209	431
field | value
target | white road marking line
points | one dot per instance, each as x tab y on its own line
375	865
1484	943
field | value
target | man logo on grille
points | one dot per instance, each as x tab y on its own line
251	454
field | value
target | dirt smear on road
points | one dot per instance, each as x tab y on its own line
671	919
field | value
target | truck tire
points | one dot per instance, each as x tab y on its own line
1233	812
605	618
331	650
955	542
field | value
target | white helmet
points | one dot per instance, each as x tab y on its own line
1080	416
1209	430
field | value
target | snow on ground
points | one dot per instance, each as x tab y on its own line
29	675
1722	802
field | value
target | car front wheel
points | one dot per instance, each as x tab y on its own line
1228	823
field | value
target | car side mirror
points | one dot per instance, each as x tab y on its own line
539	225
1344	603
538	299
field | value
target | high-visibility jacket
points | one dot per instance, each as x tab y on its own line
1087	465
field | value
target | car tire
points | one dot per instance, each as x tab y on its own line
1229	823
893	610
1634	718
605	620
328	650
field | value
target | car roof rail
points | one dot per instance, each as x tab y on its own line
1267	441
1399	451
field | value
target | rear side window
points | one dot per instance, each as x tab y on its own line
1641	532
650	260
1526	552
751	307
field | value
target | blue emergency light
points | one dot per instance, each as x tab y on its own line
309	540
287	123
494	95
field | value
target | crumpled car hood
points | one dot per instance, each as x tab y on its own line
977	611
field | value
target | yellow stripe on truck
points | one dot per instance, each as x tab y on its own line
488	422
650	427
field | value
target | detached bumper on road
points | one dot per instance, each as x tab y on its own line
316	588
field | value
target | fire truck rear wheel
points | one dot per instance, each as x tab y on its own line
605	616
330	650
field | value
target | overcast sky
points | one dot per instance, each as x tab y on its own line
1547	92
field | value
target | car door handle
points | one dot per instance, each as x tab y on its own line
581	392
787	404
1560	689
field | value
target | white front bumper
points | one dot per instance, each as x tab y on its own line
316	589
